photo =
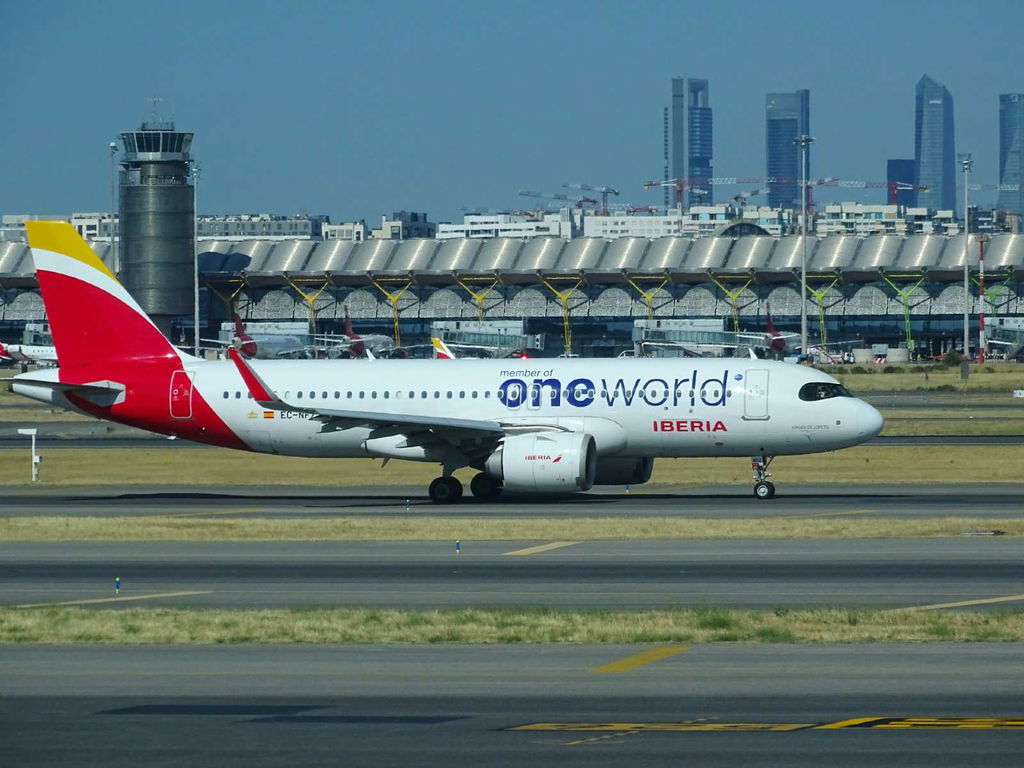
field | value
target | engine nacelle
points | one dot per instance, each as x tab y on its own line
613	470
545	462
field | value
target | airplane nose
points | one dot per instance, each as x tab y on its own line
869	420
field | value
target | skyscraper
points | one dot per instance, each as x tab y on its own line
692	138
934	146
901	172
1011	151
786	116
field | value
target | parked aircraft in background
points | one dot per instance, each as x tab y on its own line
265	346
29	353
530	426
441	351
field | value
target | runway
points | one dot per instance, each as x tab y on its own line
713	705
709	705
731	501
624	575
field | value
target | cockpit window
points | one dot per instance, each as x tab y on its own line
822	390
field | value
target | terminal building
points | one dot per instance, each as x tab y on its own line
585	293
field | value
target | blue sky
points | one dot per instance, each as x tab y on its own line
355	109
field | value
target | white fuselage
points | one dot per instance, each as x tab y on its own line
636	407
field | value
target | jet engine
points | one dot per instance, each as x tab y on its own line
545	462
612	470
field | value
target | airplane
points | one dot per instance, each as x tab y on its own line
441	350
264	346
29	353
528	426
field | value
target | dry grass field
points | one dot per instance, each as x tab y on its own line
199	466
368	625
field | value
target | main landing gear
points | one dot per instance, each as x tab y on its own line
763	488
445	490
448	490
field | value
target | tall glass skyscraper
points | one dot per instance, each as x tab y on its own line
934	146
692	138
786	116
1011	151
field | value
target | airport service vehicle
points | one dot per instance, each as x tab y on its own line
529	426
29	353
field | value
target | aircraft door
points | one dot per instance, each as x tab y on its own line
755	395
181	395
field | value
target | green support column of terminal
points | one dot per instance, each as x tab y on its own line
310	299
648	296
393	298
733	297
563	297
904	294
479	297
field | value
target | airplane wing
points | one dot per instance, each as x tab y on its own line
483	434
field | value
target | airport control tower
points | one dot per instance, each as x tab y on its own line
157	220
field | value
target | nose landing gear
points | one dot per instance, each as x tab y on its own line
763	488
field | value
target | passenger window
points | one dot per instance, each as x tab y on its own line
423	395
337	395
449	394
323	395
238	395
462	394
412	395
373	395
487	394
436	394
226	394
348	395
362	394
387	394
298	395
474	394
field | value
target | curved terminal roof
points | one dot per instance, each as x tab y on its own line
684	259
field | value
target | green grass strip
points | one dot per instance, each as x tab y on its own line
413	528
68	625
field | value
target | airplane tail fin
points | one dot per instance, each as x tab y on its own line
348	325
441	350
90	313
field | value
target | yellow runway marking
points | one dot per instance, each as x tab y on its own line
964	603
541	548
115	599
825	514
212	512
847	723
640	659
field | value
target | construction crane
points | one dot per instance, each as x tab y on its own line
741	198
604	191
579	201
679	185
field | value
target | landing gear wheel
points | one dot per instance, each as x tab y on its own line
483	486
764	490
445	490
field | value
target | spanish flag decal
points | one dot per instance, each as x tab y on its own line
268	414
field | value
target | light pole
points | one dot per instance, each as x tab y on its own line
804	142
113	208
966	164
195	257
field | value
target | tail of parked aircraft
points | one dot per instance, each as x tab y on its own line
246	343
90	313
357	348
441	351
